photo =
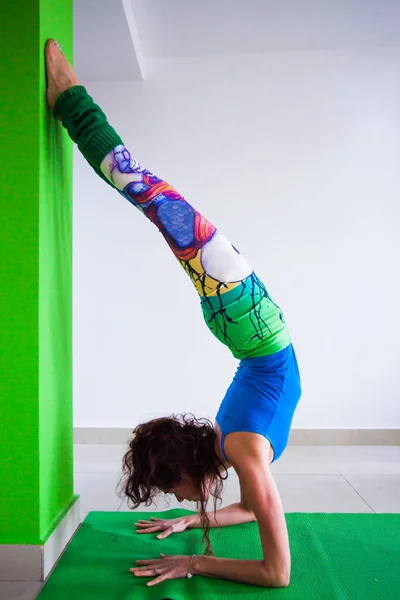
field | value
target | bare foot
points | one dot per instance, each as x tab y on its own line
60	74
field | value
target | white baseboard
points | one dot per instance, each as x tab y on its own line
28	562
298	437
344	437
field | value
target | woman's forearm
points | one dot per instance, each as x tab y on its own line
234	514
252	572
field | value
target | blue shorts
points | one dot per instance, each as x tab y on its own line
262	398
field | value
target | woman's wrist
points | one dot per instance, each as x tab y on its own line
201	564
191	572
192	520
195	567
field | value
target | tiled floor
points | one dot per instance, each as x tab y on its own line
310	479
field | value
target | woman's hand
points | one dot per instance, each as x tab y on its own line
167	526
166	567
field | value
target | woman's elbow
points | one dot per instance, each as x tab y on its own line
281	581
277	579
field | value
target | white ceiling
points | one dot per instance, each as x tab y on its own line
113	43
198	28
104	48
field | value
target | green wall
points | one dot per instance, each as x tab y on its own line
35	279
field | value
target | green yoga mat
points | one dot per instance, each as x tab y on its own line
334	556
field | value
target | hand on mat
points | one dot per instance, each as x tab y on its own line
166	567
167	526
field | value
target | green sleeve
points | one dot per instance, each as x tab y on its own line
87	126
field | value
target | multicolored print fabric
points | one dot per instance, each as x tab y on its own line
236	306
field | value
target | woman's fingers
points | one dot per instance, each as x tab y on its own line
163	577
143	571
165	533
147	520
162	572
155	562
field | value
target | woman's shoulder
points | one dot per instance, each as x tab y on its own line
244	448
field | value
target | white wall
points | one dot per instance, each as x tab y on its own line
295	157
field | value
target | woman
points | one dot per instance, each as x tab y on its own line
185	456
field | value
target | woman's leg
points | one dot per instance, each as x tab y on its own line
205	254
236	305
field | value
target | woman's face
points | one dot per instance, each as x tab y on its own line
186	490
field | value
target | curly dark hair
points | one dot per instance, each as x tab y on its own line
164	450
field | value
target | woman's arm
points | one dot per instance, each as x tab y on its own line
243	571
234	514
249	456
